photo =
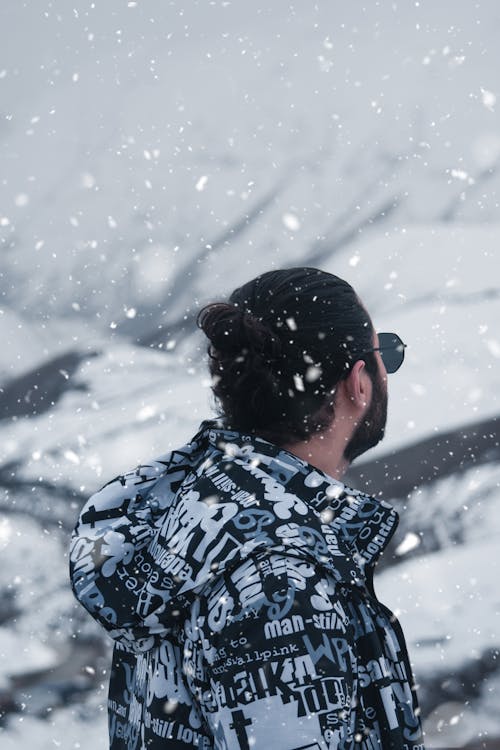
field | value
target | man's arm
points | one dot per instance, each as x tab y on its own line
110	563
277	647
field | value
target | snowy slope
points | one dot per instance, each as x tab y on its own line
154	156
114	113
438	287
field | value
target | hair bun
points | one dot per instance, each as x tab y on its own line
232	330
278	348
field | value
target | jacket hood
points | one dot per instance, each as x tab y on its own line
159	534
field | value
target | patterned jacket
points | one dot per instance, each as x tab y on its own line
236	582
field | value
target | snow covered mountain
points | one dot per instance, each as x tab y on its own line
153	157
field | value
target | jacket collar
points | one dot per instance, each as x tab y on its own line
361	523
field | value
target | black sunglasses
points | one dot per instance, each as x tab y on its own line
392	351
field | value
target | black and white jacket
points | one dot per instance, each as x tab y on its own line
236	581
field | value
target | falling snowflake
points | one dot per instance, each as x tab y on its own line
460	174
488	98
493	347
146	413
170	706
410	541
291	221
298	382
202	182
87	180
5	531
21	200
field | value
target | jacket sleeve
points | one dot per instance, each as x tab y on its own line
278	656
112	571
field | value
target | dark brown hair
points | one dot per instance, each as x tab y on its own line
279	347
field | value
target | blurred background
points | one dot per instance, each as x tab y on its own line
153	156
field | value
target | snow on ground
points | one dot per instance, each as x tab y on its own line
34	577
449	377
437	286
462	509
29	341
79	727
128	133
152	160
448	602
139	402
22	654
455	723
39	657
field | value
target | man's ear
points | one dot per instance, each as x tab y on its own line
357	385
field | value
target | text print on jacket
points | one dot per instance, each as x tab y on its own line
236	580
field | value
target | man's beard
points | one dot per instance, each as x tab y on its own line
371	429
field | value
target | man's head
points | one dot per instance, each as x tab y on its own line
281	347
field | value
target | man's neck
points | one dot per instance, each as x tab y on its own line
323	453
